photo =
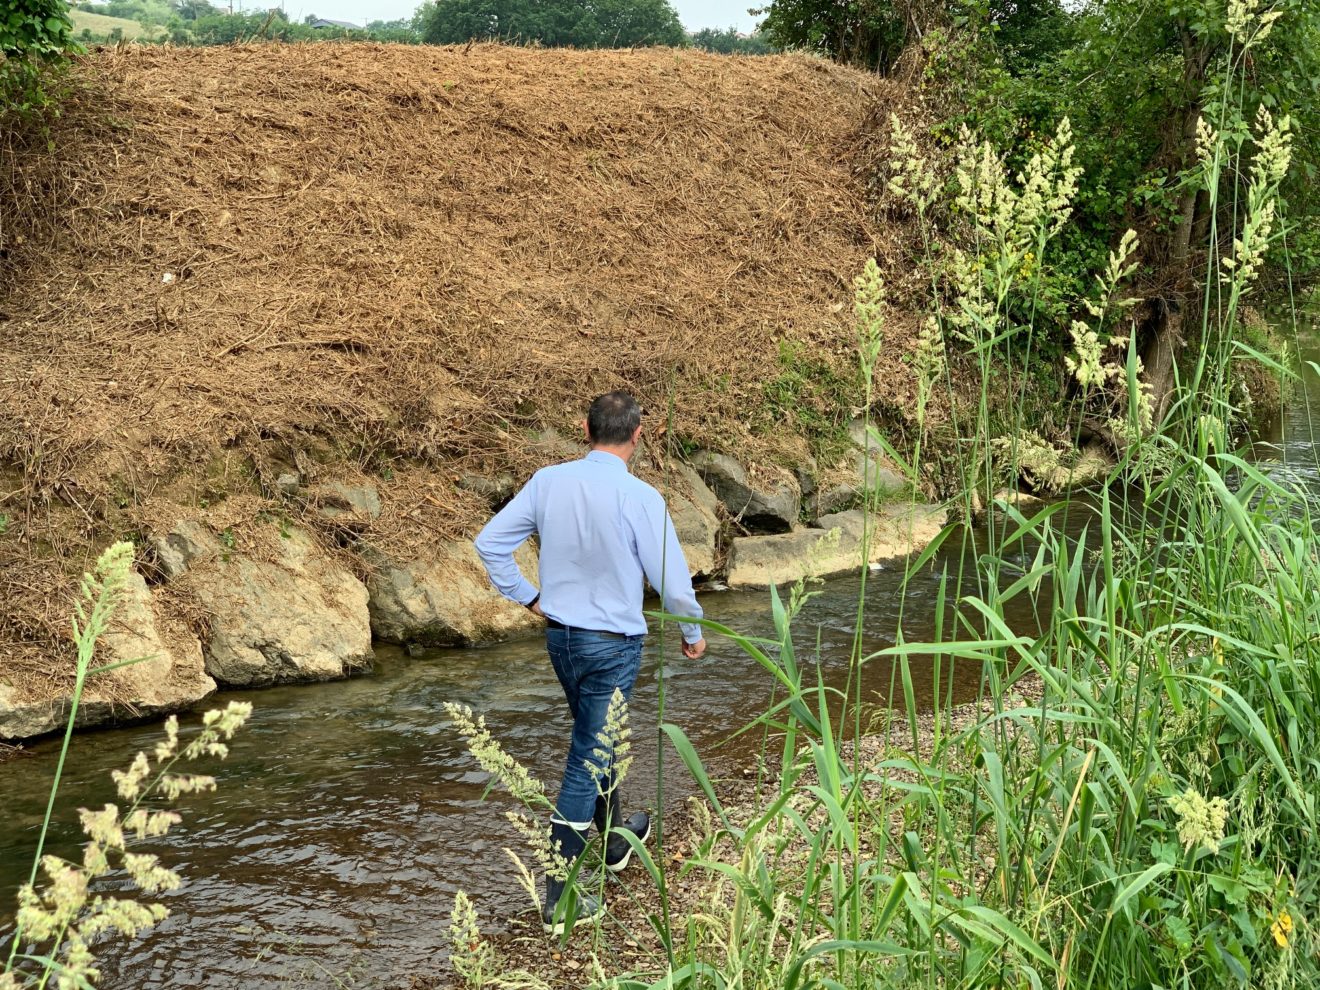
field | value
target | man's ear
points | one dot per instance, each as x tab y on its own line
586	431
637	435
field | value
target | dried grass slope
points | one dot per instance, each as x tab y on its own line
404	257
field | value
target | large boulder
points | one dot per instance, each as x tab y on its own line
836	548
23	716
768	505
291	614
783	558
444	598
696	515
903	528
169	674
869	464
865	468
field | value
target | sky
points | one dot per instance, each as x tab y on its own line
695	14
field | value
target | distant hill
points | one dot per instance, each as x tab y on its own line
102	26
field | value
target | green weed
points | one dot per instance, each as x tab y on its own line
811	397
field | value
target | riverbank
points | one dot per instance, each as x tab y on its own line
296	320
699	858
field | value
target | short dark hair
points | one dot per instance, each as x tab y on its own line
613	418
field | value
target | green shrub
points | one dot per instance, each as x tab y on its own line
35	36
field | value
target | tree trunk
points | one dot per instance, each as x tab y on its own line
1158	355
1181	248
1195	60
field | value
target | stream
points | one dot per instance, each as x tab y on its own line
349	813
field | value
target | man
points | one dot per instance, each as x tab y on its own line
601	531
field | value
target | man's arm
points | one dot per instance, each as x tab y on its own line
665	566
501	537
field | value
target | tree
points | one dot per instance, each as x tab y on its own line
400	31
1136	77
1144	83
858	32
874	33
579	23
191	10
730	42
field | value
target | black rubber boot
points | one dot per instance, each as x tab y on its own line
567	905
610	821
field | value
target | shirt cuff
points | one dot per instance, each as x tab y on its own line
692	634
525	594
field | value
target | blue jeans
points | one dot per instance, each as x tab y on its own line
590	666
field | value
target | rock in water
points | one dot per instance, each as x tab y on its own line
895	531
443	598
170	674
298	617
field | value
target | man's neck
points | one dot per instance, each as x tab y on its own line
623	453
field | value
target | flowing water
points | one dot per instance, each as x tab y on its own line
349	813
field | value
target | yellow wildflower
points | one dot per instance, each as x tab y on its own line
1282	928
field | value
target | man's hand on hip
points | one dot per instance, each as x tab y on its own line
535	609
693	651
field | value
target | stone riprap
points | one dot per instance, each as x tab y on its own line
444	598
301	616
770	506
297	613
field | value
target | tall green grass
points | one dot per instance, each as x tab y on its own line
1132	801
64	915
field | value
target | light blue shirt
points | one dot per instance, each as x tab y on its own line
601	531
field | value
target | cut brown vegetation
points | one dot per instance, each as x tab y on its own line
404	261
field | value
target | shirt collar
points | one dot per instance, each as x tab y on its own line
610	460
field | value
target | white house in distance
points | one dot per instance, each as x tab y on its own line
325	22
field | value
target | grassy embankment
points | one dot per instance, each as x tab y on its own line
400	266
